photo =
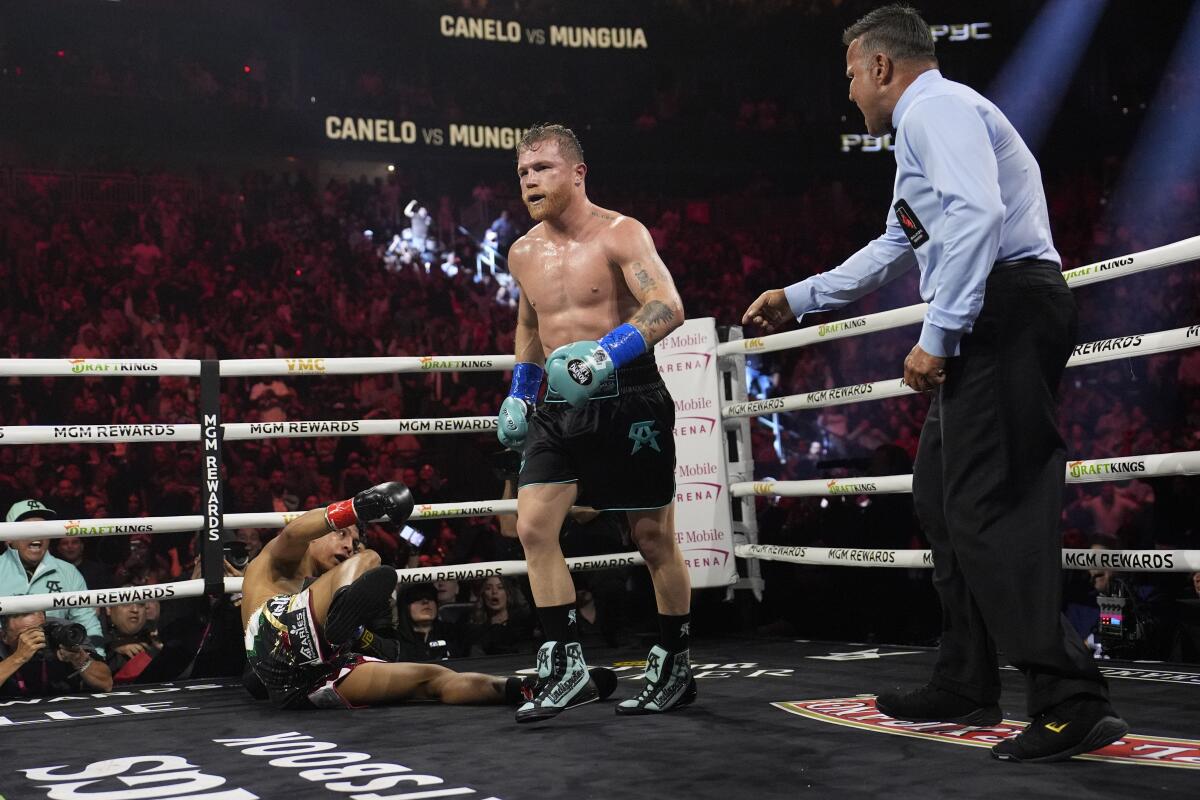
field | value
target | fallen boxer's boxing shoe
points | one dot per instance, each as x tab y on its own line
563	682
669	684
367	598
931	704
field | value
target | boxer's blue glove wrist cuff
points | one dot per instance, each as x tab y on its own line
526	382
623	344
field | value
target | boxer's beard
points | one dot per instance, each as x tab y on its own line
552	205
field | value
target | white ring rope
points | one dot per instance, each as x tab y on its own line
1156	258
124	526
249	367
240	431
1087	353
1122	560
1093	471
25	604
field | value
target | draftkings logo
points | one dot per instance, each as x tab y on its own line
831	328
835	487
1082	469
81	365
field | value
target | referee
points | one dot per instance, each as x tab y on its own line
969	211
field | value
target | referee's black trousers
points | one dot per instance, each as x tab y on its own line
988	488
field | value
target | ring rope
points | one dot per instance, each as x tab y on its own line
249	367
1123	560
241	431
124	526
1155	258
1088	353
1093	471
25	604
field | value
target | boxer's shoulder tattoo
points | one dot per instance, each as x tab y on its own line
602	215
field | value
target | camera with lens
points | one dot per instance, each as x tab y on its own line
237	554
70	635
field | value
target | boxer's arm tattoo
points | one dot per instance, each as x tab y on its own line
644	279
651	318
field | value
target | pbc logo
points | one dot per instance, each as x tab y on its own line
580	372
866	143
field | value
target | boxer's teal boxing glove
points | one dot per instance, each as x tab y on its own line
578	369
512	423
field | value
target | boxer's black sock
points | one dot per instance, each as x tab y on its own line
558	623
674	632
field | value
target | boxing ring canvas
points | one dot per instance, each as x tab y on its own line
776	719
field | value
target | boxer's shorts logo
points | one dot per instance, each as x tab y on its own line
642	434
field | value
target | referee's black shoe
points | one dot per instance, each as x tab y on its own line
1080	724
931	704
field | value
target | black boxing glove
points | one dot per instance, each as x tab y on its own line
387	501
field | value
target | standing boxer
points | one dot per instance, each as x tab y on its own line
595	298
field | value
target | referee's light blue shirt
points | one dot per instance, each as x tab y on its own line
968	194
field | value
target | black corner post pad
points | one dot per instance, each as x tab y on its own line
212	503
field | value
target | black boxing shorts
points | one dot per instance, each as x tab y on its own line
619	447
285	649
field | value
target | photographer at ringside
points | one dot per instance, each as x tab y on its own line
43	658
28	568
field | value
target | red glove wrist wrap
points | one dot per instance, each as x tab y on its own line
340	515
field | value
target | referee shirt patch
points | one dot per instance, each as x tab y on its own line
912	227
